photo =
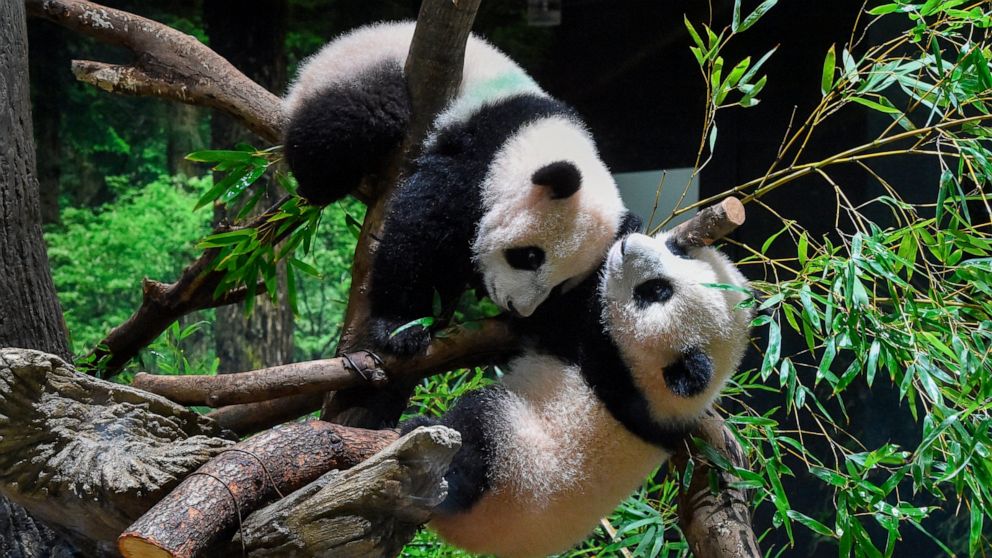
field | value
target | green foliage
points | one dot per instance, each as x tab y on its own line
322	298
98	256
250	254
896	299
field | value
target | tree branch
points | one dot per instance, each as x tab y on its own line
459	347
716	524
168	64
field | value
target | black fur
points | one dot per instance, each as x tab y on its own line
433	216
690	374
562	177
334	139
475	416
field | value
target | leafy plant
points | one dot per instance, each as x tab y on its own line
896	298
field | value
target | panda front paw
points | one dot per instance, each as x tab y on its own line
388	337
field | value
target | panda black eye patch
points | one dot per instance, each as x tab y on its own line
529	258
652	292
677	249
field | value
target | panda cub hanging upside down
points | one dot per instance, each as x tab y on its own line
585	413
508	195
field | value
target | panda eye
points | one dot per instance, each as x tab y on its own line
653	291
677	249
529	258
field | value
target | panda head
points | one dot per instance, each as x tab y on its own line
551	209
680	337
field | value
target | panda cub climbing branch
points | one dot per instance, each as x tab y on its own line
508	195
614	375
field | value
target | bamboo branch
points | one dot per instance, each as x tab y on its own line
168	64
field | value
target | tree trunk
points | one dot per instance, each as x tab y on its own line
49	66
253	40
30	315
183	137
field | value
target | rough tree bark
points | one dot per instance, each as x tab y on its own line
48	63
30	315
248	475
254	41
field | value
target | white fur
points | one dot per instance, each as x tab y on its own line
488	74
562	463
696	316
574	232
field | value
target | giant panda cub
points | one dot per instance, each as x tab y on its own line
508	194
606	389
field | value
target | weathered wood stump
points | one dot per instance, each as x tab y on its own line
87	455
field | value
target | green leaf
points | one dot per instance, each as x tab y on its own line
773	350
885	9
829	65
692	33
758	12
425	323
219	156
802	249
811	523
876	106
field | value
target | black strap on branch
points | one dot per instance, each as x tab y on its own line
367	374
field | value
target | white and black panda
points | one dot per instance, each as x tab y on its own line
509	193
611	383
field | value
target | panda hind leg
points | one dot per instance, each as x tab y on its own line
337	137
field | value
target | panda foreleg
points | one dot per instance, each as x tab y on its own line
335	137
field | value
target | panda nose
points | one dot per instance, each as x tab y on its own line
509	306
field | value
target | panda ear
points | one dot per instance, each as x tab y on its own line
561	178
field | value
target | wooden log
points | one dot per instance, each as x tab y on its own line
213	500
715	524
87	455
249	418
711	224
371	510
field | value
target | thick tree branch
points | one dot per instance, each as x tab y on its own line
433	71
715	524
168	64
462	346
249	418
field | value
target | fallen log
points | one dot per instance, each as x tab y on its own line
214	499
370	510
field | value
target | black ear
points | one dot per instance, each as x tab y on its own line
561	177
690	374
629	224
